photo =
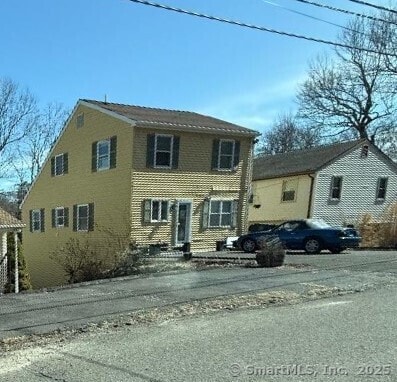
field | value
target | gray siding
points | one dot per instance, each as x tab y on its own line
358	197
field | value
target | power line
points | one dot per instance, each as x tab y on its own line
306	15
252	26
374	6
345	11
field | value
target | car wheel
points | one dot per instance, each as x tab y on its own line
248	245
312	246
336	250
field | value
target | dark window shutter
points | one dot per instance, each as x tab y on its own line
42	221
175	153
236	159
206	211
113	152
66	217
94	157
65	163
150	150
53	218
147	208
31	220
215	154
53	166
75	217
234	214
91	217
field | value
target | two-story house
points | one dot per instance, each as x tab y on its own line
339	183
159	175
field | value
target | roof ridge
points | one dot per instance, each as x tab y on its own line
139	106
308	149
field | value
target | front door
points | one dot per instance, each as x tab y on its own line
183	222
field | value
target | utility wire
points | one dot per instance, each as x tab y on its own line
374	6
306	15
252	26
345	11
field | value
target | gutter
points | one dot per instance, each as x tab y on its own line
309	208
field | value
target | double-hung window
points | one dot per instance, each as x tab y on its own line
381	188
162	151
156	211
59	164
336	188
289	188
60	217
220	213
104	154
83	217
225	154
37	220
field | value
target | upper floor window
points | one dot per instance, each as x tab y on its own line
59	164
60	217
156	211
37	220
162	151
225	154
288	193
381	188
83	217
336	187
104	154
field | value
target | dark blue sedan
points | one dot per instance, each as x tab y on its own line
311	235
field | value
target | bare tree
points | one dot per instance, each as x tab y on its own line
18	112
286	135
351	95
34	148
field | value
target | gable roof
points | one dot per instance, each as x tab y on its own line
7	221
301	161
175	119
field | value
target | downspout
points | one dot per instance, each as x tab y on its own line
309	208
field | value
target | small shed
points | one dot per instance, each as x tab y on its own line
8	223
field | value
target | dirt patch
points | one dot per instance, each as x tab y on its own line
174	312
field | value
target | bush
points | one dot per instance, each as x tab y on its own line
90	258
380	232
272	252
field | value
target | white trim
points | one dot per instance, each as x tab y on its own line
78	216
107	142
63	164
56	217
171	150
218	165
39	220
161	201
221	200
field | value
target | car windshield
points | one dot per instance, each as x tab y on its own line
317	224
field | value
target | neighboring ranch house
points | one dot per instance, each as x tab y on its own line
157	175
339	183
8	224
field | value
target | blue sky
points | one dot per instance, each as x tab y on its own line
64	50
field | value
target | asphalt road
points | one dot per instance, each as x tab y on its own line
341	339
43	312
